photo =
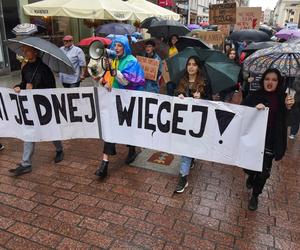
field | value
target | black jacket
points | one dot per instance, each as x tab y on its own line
278	135
37	73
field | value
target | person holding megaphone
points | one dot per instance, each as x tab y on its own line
122	71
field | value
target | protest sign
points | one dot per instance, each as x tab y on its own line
248	18
222	13
150	67
212	131
165	72
225	29
211	37
48	114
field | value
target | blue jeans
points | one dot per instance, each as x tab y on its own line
185	165
171	87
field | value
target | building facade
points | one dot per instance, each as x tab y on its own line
267	16
286	11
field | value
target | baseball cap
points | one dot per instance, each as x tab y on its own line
68	38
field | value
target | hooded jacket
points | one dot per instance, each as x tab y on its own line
276	136
128	66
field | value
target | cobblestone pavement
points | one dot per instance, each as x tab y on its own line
64	206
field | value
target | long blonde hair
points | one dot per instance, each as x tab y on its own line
198	86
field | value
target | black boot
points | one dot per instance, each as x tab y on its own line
131	155
253	203
250	181
102	170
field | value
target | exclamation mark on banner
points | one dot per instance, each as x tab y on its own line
224	118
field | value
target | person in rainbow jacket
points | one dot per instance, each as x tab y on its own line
128	74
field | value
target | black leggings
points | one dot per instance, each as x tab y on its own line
259	179
110	148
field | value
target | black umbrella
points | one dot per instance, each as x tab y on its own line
149	21
53	56
260	45
249	35
267	29
167	28
186	41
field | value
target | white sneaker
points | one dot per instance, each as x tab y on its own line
292	137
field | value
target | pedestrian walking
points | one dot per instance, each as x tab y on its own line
191	85
271	95
295	112
35	75
128	75
77	58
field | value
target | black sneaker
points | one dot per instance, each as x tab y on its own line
102	170
253	203
250	182
59	156
19	170
182	184
131	155
1	147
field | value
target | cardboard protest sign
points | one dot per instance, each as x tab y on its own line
211	37
165	73
225	29
222	13
150	67
248	18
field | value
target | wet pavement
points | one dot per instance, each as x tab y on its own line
65	206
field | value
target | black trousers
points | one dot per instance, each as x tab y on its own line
110	148
259	179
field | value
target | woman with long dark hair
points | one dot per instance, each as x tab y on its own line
271	95
191	85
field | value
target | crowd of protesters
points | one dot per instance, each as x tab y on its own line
128	74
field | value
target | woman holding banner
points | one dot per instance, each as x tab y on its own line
191	85
271	95
128	74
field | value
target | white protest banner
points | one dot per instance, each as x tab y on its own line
48	114
212	131
248	18
150	67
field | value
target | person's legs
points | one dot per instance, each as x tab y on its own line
295	117
59	151
260	180
132	154
66	85
25	166
185	165
109	149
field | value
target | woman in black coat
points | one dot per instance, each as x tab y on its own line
271	95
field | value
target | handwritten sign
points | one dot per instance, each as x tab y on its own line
150	67
222	13
211	37
248	18
225	29
165	71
